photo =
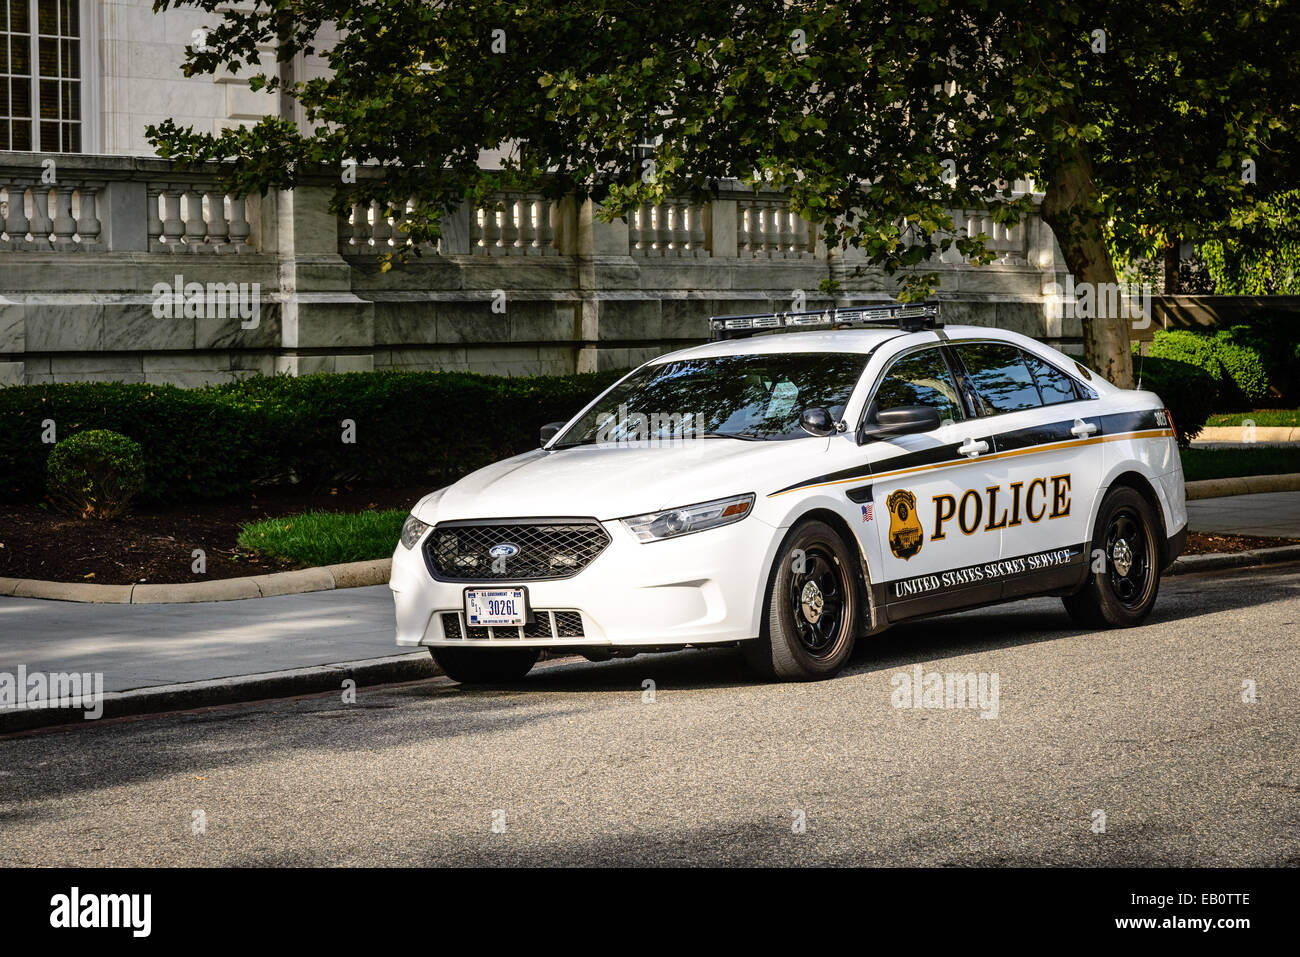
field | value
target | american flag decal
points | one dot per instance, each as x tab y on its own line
866	512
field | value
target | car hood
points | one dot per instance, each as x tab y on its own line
615	482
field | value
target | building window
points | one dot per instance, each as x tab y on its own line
40	75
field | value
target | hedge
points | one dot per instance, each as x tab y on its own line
1187	390
1275	335
1237	369
409	428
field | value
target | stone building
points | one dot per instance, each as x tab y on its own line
114	266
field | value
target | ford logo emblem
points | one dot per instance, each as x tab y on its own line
504	550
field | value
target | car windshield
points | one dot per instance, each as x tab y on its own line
753	397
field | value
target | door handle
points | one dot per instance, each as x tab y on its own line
1082	429
973	447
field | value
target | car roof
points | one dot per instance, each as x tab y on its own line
831	340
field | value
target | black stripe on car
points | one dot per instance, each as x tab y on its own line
1013	440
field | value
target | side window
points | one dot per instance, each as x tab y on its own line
999	376
920	379
1054	384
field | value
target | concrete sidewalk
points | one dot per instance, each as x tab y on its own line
1269	514
139	646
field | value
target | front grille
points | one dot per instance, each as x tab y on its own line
568	624
545	624
547	549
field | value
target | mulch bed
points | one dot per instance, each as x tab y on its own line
155	545
1203	543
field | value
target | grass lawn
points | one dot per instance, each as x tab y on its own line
1263	418
1230	463
326	538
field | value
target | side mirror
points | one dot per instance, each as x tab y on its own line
904	420
817	421
549	431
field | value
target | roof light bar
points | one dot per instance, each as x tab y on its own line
908	316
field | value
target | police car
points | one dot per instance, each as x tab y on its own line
801	481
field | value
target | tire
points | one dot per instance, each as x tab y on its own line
808	632
480	666
1123	593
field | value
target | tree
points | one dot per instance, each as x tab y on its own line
1140	122
1260	257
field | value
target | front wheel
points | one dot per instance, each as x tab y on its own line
479	666
1121	590
813	608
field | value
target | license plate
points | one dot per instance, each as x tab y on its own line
496	606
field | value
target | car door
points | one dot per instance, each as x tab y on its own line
1047	463
931	555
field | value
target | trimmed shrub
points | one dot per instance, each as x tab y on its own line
1238	370
1187	390
410	428
95	473
1275	335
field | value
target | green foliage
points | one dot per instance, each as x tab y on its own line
1260	257
1237	369
198	443
96	473
1186	389
1275	335
877	117
201	444
1245	381
326	538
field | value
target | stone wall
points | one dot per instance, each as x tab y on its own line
524	286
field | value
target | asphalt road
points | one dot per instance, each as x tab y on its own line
1146	725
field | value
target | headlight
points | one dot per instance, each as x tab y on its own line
412	529
693	518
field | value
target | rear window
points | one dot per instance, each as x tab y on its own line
1000	377
1053	384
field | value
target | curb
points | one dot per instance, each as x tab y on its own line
1245	485
1234	433
326	578
412	666
1189	564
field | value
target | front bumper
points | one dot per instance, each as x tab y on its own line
696	589
1172	491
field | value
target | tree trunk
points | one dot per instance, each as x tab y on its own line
1070	208
1170	261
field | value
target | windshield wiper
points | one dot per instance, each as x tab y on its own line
669	441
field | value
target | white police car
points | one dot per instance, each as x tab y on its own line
795	491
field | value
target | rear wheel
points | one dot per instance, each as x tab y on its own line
485	665
813	608
1123	592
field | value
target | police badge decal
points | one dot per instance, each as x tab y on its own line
905	534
